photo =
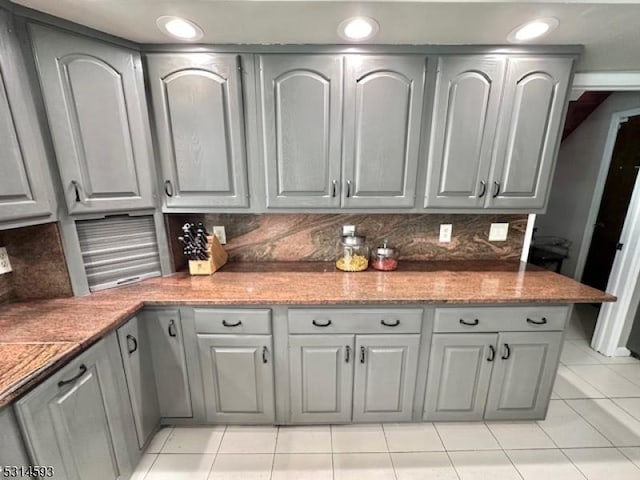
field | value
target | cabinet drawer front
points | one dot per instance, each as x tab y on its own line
220	320
510	319
371	320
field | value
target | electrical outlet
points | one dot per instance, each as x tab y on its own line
220	232
445	232
5	264
498	232
348	229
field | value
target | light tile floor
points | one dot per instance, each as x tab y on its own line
592	432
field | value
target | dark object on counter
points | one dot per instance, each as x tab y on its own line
384	258
194	241
549	252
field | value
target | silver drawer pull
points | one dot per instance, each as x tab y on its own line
265	350
471	324
347	353
394	324
172	328
543	321
326	324
83	370
227	324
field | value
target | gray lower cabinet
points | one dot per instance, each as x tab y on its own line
24	173
459	373
523	375
164	331
77	420
237	376
495	376
96	107
321	378
300	114
385	377
198	111
135	349
528	135
382	121
13	454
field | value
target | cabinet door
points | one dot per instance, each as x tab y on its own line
23	169
301	128
12	450
467	100
382	113
164	329
197	104
321	372
385	377
531	119
71	421
94	96
135	349
459	372
523	375
237	373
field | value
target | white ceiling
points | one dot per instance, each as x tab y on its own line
610	32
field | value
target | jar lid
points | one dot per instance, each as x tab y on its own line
353	240
386	250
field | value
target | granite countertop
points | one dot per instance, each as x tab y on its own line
37	338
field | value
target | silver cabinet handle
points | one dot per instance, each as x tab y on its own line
265	350
362	349
83	370
168	188
470	324
325	324
493	354
483	185
172	329
388	324
347	353
131	338
334	189
543	321
227	324
497	189
76	188
507	352
348	188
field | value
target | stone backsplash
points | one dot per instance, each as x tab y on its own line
312	237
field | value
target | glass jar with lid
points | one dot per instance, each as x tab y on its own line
352	253
384	257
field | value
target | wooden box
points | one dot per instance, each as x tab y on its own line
217	258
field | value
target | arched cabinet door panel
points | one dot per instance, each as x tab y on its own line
382	118
531	118
300	116
463	127
94	97
197	106
23	171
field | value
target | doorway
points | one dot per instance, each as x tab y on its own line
619	185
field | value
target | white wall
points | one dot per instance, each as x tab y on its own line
576	174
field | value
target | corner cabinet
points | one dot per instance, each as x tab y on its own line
76	421
95	101
24	195
340	131
198	111
495	131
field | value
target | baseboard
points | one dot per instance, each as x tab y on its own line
622	352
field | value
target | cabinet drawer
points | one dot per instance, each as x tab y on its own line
500	319
371	320
220	320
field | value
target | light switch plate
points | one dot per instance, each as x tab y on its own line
348	229
445	232
498	232
5	264
219	231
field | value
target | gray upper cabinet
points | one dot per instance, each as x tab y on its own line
523	375
459	374
23	169
385	377
72	421
467	100
321	375
237	375
301	129
135	349
529	128
96	107
382	119
164	330
198	110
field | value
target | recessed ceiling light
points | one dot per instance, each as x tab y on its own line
358	29
180	28
533	29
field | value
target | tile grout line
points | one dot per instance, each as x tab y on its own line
627	456
446	451
275	448
386	442
502	449
333	466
